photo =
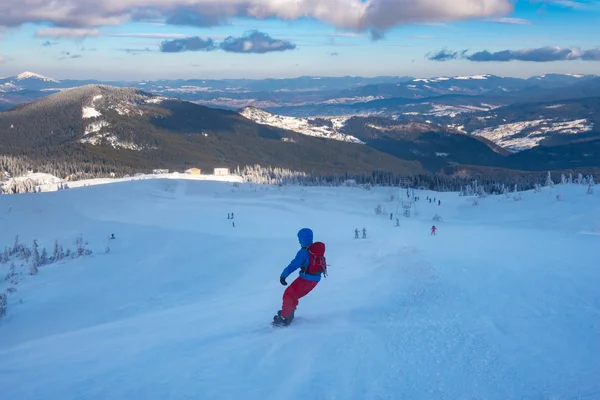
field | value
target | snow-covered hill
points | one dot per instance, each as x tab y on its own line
325	127
502	303
31	75
525	135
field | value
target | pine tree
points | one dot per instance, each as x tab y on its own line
563	179
35	259
3	304
549	181
44	257
5	255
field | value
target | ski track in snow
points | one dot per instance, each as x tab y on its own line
501	304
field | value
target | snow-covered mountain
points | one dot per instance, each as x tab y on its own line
524	135
33	76
166	309
325	127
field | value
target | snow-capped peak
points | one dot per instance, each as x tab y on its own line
485	76
31	75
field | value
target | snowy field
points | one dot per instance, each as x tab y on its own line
503	303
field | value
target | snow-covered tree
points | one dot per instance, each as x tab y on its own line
44	257
5	255
36	252
563	179
590	189
570	178
579	179
591	180
16	246
3	304
481	191
549	181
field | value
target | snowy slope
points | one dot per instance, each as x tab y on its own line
501	304
525	135
306	126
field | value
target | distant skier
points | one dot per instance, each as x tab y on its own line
356	233
439	202
311	261
433	230
228	216
391	216
364	233
397	222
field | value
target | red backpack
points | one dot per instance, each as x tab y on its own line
318	264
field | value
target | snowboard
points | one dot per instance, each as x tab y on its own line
280	325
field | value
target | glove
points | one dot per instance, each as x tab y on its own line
282	280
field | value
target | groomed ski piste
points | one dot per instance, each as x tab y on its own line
502	303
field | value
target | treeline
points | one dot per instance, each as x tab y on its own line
440	183
71	167
12	166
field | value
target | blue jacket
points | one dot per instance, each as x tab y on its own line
302	259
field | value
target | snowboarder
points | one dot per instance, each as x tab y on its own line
433	230
311	261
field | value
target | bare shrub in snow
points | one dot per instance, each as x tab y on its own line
81	250
11	290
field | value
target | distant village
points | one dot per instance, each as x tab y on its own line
193	171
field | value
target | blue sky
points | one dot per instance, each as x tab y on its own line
106	39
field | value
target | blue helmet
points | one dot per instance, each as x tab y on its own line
305	237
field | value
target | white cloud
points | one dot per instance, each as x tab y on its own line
575	4
149	35
512	21
342	14
56	33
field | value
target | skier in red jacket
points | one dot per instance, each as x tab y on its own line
433	230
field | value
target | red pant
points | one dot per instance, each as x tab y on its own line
298	289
